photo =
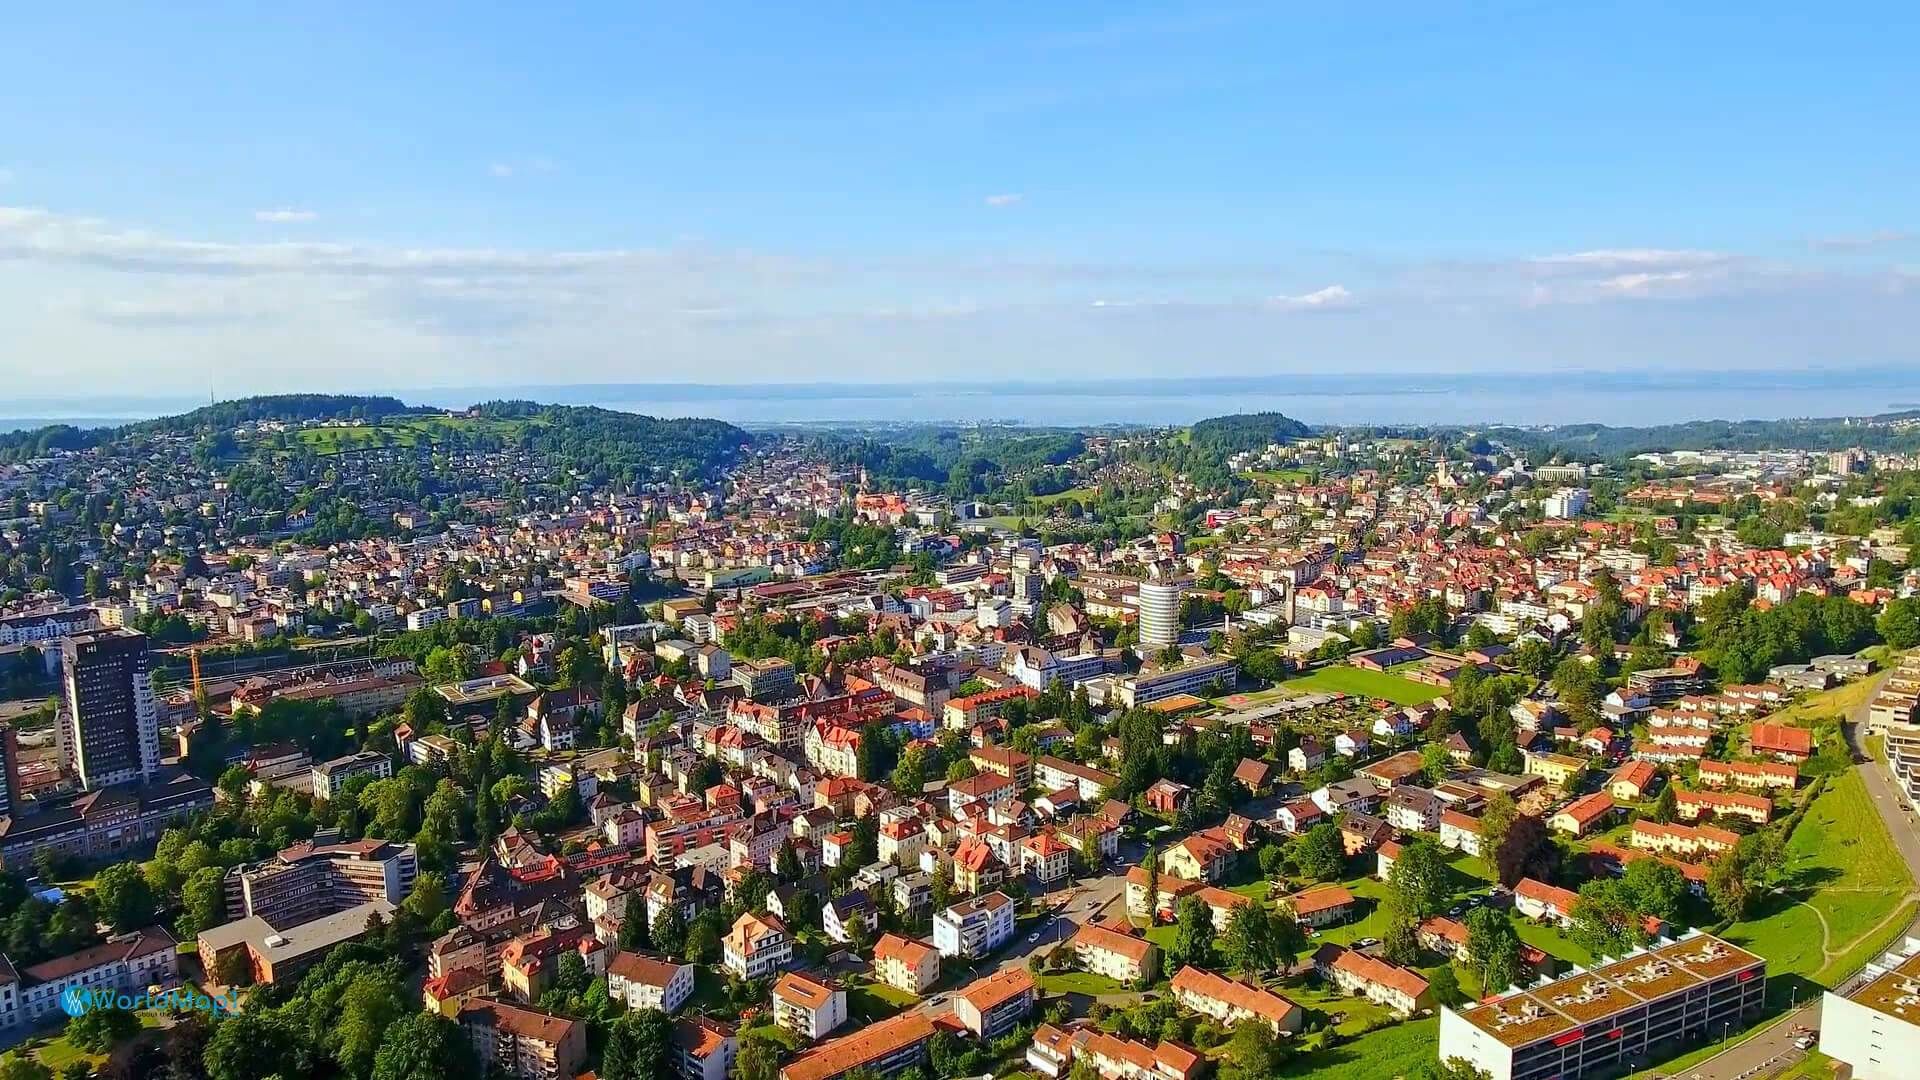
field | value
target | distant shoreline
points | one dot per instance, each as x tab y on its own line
1613	398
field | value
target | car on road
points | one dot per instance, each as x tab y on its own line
1366	943
1804	1042
1033	937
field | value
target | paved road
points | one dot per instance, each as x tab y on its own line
1093	898
1774	1047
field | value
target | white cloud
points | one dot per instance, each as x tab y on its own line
285	217
1009	199
1881	238
1329	297
1631	257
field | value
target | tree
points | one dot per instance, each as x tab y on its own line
1899	624
1454	1069
97	1030
1493	949
1495	820
124	898
1399	942
370	1005
1655	887
1728	887
1253	1051
427	900
1606	919
1420	881
759	1059
205	898
1152	864
633	923
1527	851
254	1044
425	1046
1435	762
1666	806
1445	987
639	1046
1193	937
17	1065
670	931
1320	852
787	864
1249	942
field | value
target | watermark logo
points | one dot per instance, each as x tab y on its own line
79	1000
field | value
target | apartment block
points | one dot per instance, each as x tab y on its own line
1599	1022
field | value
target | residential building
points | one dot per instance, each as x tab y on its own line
808	1006
1605	1021
974	927
1119	956
306	881
1544	902
128	963
111	729
524	1043
703	1048
884	1049
1159	622
1322	905
648	982
1230	1001
990	1007
756	947
329	777
906	964
1392	987
1876	1029
1583	814
283	951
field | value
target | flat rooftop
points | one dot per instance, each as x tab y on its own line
1897	993
487	689
1585	997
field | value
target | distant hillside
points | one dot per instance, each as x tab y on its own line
1225	435
1591	441
227	415
590	440
594	439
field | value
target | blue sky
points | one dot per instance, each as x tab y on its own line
425	194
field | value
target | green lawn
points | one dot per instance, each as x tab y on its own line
1843	865
403	432
1077	982
1401	1050
876	1001
1341	679
1280	476
1355	1013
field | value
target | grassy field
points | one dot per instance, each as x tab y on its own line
1384	1054
404	432
1839	701
1281	476
1078	982
1356	1013
876	1001
1846	881
1341	679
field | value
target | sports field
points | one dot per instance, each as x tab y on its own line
1341	679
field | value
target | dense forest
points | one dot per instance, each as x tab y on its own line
964	462
604	443
1223	436
1590	441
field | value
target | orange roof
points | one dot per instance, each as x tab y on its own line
906	950
1273	1007
1320	898
1782	739
1099	937
994	990
843	1055
1377	972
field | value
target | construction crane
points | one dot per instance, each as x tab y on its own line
193	658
